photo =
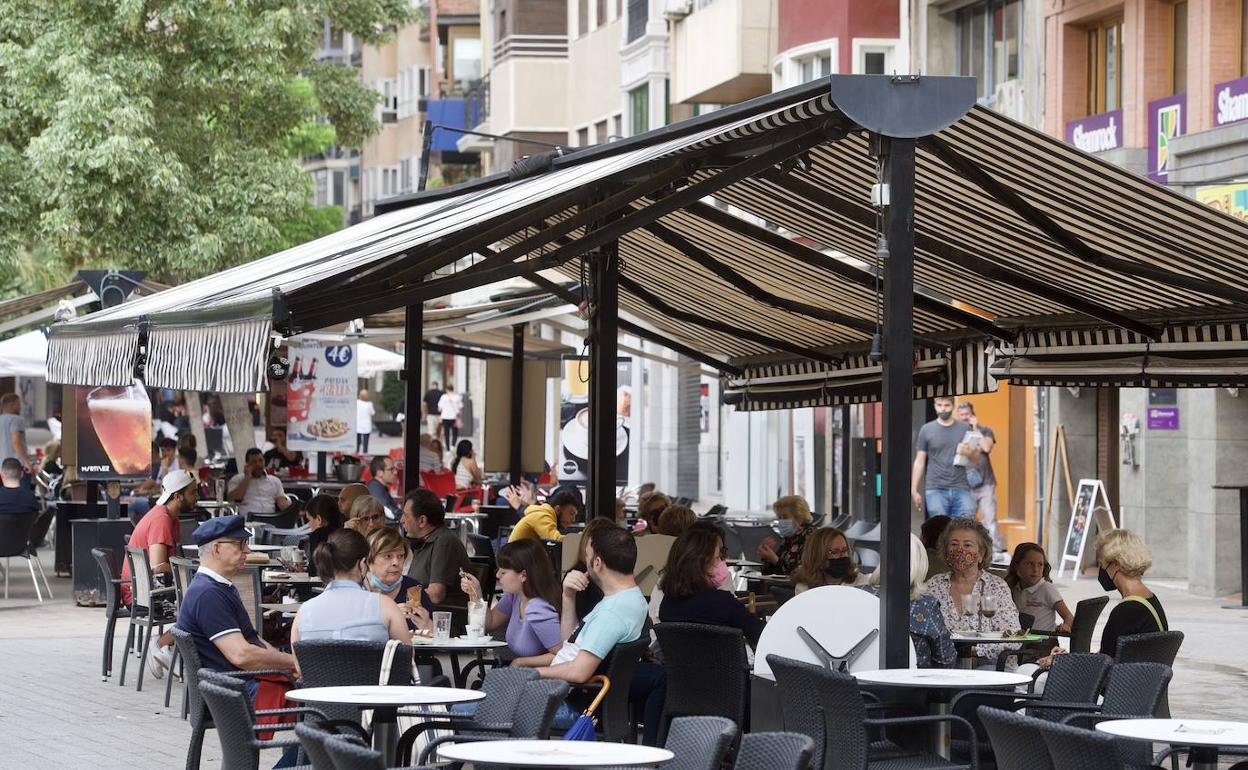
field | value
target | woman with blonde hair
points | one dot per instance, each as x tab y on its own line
387	553
827	560
794	524
675	519
1122	559
367	514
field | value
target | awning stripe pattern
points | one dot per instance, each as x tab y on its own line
958	371
223	358
95	359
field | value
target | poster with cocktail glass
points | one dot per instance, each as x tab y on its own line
114	432
320	398
574	419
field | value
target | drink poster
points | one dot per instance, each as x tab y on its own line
574	419
320	398
114	432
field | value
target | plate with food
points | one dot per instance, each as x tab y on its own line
328	427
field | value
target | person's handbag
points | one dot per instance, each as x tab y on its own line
974	477
583	728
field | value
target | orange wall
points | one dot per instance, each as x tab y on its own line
1008	413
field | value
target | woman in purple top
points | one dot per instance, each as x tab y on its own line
527	609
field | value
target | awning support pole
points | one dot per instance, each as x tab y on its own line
413	425
603	338
517	403
898	408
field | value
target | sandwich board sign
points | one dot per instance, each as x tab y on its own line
1091	510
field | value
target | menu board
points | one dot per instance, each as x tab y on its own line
114	432
320	398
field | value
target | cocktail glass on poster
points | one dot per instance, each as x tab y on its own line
114	431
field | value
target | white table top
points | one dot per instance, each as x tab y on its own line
1183	732
371	695
457	643
941	679
257	547
555	753
272	576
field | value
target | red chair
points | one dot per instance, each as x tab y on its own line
397	454
441	483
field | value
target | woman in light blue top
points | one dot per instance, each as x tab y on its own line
345	610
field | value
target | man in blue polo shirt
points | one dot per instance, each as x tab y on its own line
212	611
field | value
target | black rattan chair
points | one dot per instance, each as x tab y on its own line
1087	611
113	607
1073	748
312	739
236	728
532	717
502	688
349	755
1016	743
1158	647
707	672
774	751
826	706
699	743
614	719
343	662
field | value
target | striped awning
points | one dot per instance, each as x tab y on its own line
747	239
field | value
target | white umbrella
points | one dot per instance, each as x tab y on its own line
26	355
372	359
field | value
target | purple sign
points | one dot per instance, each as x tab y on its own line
1230	102
1163	418
1096	133
1167	118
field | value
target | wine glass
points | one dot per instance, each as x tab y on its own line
968	609
987	608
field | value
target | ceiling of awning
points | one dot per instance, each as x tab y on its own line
1015	231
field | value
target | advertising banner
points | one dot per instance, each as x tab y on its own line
1228	198
114	428
1230	102
1096	133
1167	119
574	420
320	398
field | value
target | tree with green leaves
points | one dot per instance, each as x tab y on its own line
165	135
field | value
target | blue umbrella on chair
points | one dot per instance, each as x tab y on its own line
583	728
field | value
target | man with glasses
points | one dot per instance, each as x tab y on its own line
385	473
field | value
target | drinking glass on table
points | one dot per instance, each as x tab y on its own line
968	609
987	607
442	626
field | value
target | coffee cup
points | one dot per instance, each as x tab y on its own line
475	633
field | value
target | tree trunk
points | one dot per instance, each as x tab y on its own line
238	420
195	413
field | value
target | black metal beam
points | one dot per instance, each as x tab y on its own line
987	268
456	350
863	277
1068	240
897	399
517	403
413	333
640	331
604	312
684	316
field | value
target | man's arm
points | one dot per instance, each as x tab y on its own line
248	657
240	489
19	446
573	583
576	671
916	476
436	592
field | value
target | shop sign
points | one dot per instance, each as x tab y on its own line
1228	198
1167	119
1096	133
1163	418
1230	102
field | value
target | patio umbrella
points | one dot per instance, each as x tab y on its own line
24	355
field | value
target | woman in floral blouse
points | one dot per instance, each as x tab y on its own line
794	525
968	549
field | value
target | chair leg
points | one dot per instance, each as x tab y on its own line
34	580
47	588
107	664
195	748
6	577
169	676
129	643
147	643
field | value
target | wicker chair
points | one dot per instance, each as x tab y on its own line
1087	611
312	740
236	729
699	743
502	688
1073	748
827	706
145	609
183	571
775	751
614	720
113	607
349	755
342	662
532	717
1016	743
1158	647
707	672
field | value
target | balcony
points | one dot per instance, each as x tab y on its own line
531	46
452	113
723	51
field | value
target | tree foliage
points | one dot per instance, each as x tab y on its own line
164	134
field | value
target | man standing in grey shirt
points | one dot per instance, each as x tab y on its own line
13	431
979	476
937	483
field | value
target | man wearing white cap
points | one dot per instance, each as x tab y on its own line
158	532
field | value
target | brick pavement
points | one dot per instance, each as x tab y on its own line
55	713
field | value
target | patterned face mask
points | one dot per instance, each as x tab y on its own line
961	559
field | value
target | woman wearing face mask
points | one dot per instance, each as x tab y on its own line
344	610
527	609
1033	589
1123	559
968	549
387	551
691	583
827	560
794	524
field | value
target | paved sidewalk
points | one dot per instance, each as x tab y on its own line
55	713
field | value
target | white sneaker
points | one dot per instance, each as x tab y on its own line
159	660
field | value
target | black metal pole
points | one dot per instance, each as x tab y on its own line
426	146
413	355
517	403
845	435
603	331
898	404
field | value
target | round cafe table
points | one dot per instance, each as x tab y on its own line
385	701
942	685
1204	736
455	647
967	641
554	753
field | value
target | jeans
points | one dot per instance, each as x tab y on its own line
649	689
450	434
361	442
948	502
985	500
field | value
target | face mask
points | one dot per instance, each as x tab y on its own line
384	587
1107	582
837	568
720	574
962	560
942	416
786	527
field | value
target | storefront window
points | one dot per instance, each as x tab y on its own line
1105	66
639	110
990	37
1179	49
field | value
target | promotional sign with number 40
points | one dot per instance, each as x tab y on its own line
320	398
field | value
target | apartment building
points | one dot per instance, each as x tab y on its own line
336	171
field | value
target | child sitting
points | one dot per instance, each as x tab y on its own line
1033	590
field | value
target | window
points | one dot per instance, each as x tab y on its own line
873	56
320	191
873	63
1105	66
405	175
601	19
339	180
466	63
582	137
600	132
638	15
990	37
618	120
639	110
582	17
389	106
807	68
1178	50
